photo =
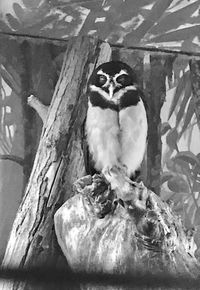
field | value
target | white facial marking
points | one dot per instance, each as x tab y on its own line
99	90
121	92
111	90
100	72
122	72
103	93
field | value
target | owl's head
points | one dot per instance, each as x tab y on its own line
111	79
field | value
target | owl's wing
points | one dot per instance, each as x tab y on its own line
89	163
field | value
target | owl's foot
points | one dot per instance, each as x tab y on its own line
124	187
134	180
119	182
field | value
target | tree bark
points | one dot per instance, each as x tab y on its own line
155	92
28	113
58	162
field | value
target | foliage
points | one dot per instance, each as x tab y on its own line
173	23
181	169
184	103
8	111
44	65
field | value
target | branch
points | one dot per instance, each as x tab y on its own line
116	45
13	158
40	108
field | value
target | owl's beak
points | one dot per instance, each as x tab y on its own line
111	90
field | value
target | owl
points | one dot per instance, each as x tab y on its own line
116	121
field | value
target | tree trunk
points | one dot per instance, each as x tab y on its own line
28	113
155	95
59	160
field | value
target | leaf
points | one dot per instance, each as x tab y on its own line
179	89
197	217
188	117
172	138
188	45
178	184
198	156
182	167
174	19
165	127
156	12
14	23
166	175
196	170
19	11
4	27
10	81
187	94
177	35
31	3
179	207
166	195
190	137
177	198
39	25
196	186
189	213
188	157
9	119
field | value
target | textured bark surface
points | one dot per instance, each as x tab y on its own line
32	240
97	233
155	95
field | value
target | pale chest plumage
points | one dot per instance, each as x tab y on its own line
102	131
117	138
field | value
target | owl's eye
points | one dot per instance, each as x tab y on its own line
122	79
102	79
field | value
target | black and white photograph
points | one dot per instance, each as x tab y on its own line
99	144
